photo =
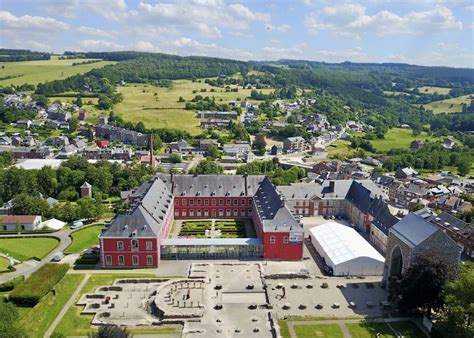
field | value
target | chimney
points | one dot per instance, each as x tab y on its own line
172	181
331	186
246	186
152	157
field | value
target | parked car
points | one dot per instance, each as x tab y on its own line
58	256
77	225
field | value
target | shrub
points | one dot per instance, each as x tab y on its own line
42	281
11	284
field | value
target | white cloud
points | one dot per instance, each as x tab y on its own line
99	45
471	25
30	32
144	46
279	28
208	17
274	53
351	20
108	9
95	32
37	24
187	46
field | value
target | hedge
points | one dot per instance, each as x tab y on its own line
11	284
42	281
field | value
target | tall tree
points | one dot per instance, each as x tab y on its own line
430	273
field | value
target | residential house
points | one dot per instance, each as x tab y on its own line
404	173
5	141
416	145
276	150
126	136
83	115
294	144
448	143
19	222
215	123
25	124
218	115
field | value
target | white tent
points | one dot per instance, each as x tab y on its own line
53	224
345	251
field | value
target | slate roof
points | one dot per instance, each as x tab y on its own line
212	185
413	229
147	217
275	216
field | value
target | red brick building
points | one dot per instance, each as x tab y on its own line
135	239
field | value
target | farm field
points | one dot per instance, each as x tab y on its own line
84	238
158	107
432	90
35	72
399	138
453	105
27	248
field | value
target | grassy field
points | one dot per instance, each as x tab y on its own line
340	148
399	138
26	248
75	324
84	238
407	329
432	90
4	263
366	330
318	330
46	311
34	72
158	107
453	105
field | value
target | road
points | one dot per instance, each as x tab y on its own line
26	269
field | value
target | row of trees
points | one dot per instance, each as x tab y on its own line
64	183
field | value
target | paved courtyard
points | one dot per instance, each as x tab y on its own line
232	298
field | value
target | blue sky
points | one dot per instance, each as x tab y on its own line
427	32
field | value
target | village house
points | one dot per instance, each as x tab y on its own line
19	222
218	115
24	124
126	136
215	123
294	144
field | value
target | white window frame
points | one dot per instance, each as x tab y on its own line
149	245
135	257
120	246
121	258
148	258
108	260
272	239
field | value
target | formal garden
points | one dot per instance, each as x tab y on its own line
213	229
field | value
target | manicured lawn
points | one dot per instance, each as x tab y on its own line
318	330
34	72
284	331
163	109
75	324
366	330
84	238
26	248
47	310
399	138
4	263
195	228
453	105
407	329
